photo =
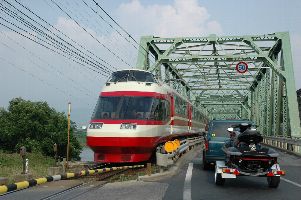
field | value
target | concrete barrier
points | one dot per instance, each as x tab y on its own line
289	145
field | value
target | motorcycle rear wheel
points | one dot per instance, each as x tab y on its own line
273	181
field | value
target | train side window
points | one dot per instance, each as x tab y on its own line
154	110
176	106
113	115
167	109
163	110
105	115
184	108
147	115
139	115
160	110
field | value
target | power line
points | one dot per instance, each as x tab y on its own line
90	34
88	19
51	66
129	35
63	33
39	43
58	44
112	38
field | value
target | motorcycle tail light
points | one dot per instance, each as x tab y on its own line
226	170
236	172
281	172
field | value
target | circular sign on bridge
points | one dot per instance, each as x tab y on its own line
241	67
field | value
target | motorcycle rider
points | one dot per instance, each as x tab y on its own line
232	135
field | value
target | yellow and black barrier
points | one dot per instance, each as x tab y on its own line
33	182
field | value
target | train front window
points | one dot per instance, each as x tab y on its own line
146	108
131	75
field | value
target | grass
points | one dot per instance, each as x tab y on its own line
11	164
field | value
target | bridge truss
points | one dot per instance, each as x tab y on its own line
204	70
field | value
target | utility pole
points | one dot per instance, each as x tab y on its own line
68	142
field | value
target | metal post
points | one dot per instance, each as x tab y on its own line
23	155
55	154
149	169
26	165
68	142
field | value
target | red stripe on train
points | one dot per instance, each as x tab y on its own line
128	142
180	122
176	122
136	121
134	93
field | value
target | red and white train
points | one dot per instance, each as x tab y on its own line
135	114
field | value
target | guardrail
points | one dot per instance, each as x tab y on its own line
166	159
292	145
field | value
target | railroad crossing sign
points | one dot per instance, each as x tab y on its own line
241	67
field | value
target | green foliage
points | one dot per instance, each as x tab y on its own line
81	137
11	164
37	127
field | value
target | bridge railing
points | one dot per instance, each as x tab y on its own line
167	159
287	144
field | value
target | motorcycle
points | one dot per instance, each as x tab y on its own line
246	156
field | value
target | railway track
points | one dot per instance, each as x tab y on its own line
75	192
99	173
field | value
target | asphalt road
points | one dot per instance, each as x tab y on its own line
189	182
203	186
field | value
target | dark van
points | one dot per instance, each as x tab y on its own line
215	139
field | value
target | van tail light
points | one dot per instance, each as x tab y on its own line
206	145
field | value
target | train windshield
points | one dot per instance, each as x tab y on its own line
132	75
123	107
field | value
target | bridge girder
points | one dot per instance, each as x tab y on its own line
204	70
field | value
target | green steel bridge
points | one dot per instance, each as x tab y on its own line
208	71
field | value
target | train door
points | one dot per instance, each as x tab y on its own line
189	115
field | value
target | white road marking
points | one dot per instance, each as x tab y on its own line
187	184
291	182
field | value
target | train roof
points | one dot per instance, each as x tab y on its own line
132	70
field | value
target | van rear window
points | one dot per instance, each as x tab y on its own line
219	128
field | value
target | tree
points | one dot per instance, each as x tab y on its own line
37	127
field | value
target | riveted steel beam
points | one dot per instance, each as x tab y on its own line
206	69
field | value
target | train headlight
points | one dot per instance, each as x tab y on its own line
95	125
128	126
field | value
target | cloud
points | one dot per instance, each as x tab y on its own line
182	18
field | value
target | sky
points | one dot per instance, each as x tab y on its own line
34	73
